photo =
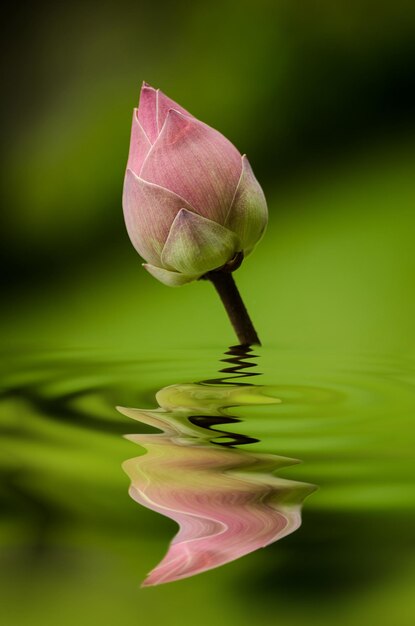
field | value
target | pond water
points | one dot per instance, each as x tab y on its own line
266	486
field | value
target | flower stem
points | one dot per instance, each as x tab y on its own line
225	286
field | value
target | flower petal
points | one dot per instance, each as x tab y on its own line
147	111
196	162
139	145
171	279
196	245
149	211
248	215
164	104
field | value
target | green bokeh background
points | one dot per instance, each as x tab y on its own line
320	95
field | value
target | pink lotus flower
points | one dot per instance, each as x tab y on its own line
191	201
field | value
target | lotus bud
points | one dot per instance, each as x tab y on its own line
191	201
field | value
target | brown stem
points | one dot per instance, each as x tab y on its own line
235	308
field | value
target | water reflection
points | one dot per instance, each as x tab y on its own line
226	500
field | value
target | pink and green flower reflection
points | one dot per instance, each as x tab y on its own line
226	500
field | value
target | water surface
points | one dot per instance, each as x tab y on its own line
215	454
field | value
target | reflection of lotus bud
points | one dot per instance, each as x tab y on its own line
191	201
227	501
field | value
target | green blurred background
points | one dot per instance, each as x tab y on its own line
321	96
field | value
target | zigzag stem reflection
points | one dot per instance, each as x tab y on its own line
226	501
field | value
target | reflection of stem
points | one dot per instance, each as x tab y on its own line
235	308
238	357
